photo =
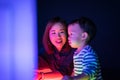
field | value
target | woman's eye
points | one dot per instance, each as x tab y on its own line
53	33
62	32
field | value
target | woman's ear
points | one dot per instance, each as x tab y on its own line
84	36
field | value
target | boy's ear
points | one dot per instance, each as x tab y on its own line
84	35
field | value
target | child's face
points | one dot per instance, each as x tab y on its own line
57	35
75	35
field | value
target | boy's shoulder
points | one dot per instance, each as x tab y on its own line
87	50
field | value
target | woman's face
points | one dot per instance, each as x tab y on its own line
57	35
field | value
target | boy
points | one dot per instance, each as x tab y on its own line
86	65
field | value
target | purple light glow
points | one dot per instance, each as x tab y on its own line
18	39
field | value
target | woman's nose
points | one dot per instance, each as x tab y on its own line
58	35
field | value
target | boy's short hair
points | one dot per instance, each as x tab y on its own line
86	25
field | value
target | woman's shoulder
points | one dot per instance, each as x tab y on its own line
70	52
73	50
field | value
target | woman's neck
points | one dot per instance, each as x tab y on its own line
59	49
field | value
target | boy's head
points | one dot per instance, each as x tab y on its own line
81	31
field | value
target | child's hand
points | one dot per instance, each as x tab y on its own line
67	78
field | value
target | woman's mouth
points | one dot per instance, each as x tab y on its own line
59	41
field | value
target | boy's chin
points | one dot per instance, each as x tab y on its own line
72	46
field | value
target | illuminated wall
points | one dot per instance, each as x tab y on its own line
18	39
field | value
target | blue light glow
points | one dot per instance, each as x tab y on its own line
18	39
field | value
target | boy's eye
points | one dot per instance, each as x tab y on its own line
70	33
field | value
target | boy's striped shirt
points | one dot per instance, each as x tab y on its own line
86	61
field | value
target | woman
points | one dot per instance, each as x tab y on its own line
57	52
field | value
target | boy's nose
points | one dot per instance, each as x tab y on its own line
68	38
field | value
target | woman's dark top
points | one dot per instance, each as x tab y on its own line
58	61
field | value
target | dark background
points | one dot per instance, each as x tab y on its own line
105	14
